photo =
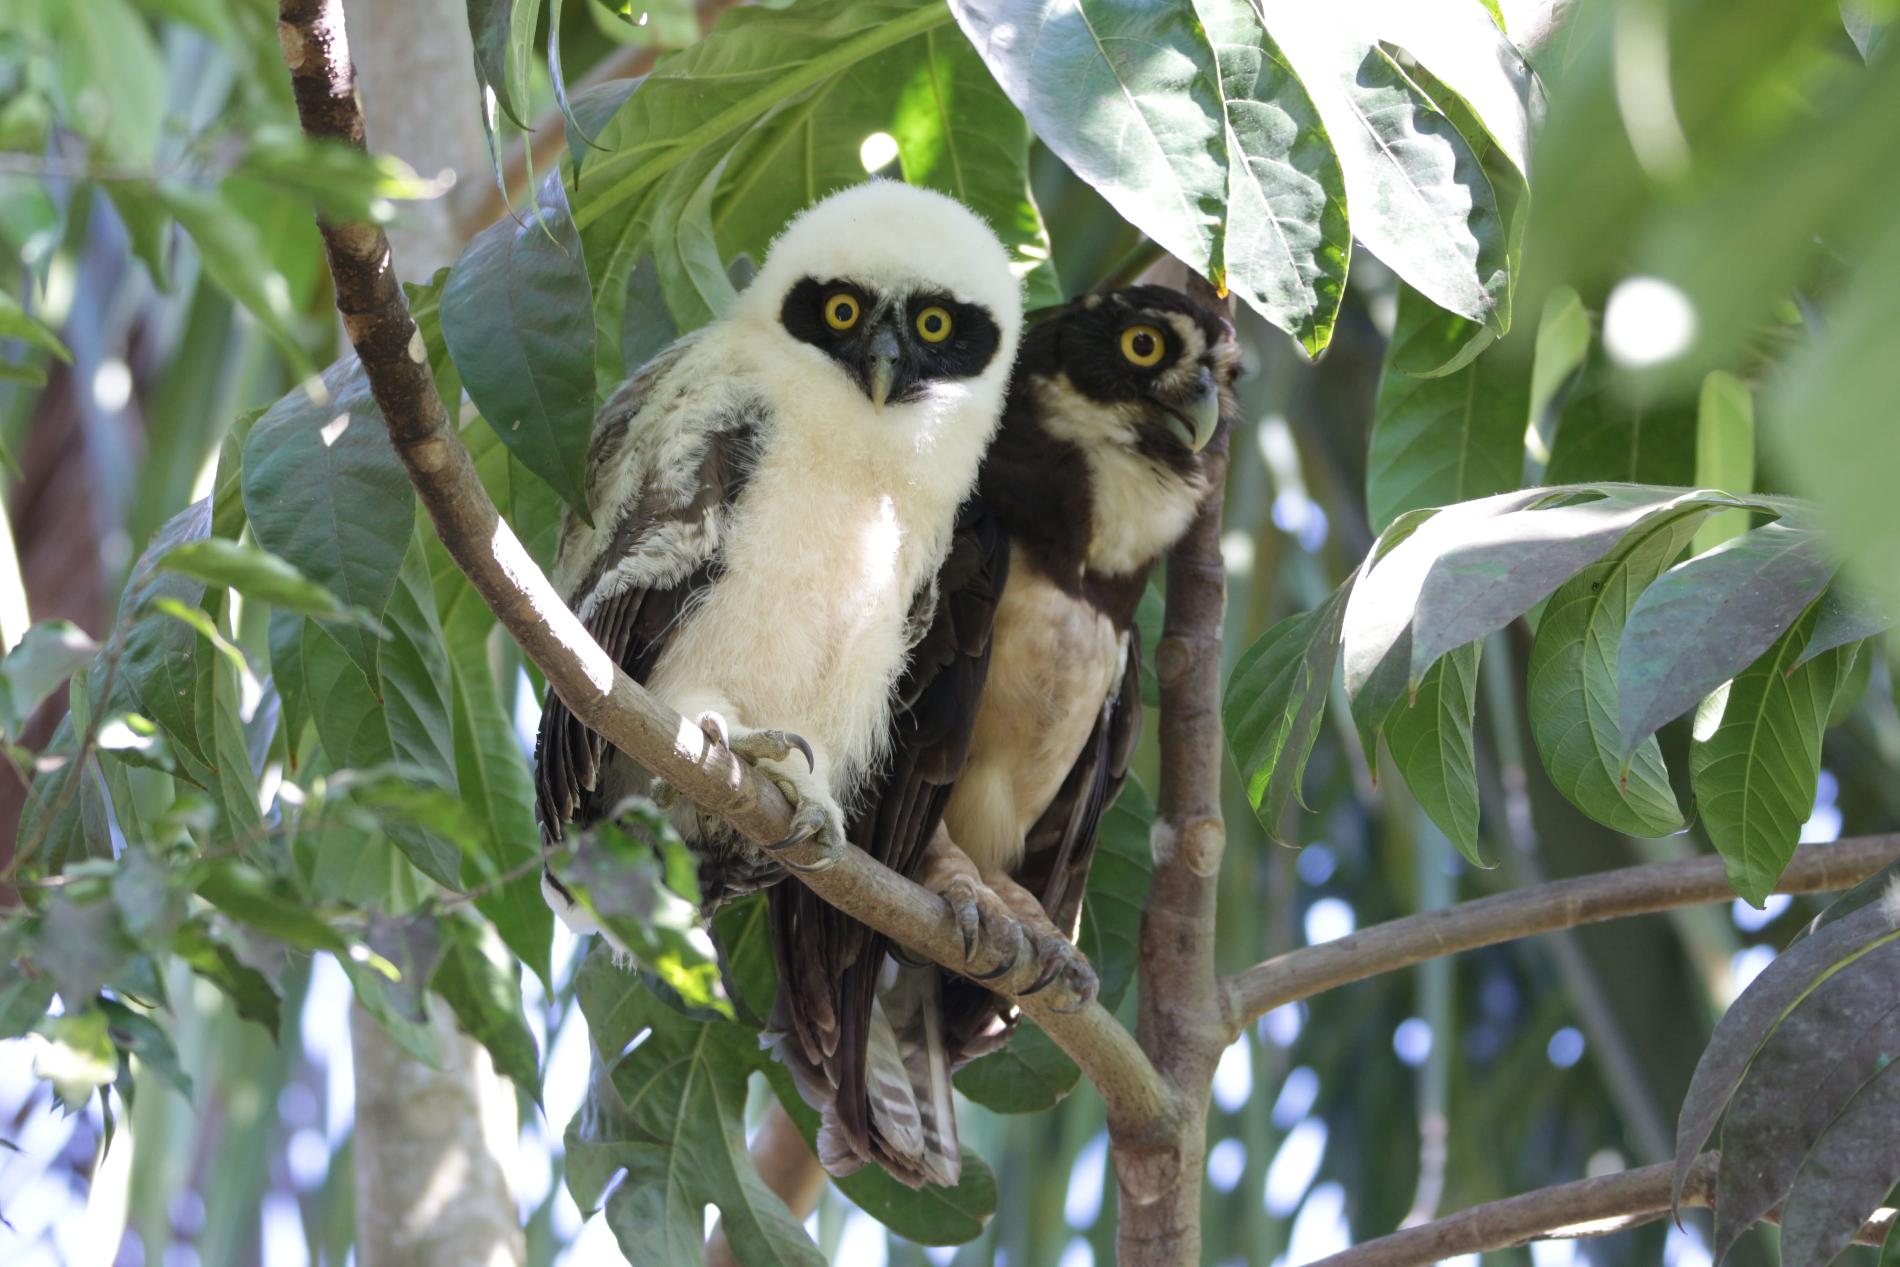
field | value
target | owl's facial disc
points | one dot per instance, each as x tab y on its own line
893	346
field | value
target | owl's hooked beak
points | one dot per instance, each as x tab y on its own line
1192	421
883	354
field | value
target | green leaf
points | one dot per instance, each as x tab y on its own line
1430	739
1705	620
1603	436
1756	757
234	255
672	1114
1285	238
113	77
1274	700
503	34
1571	685
15	323
326	493
517	315
1724	452
78	1057
635	877
1416	190
1843	618
46	656
276	910
250	992
1125	95
1442	439
138	1035
161	673
82	945
1563	341
1466	51
483	989
253	572
1029	1075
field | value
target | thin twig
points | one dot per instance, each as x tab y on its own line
1588	1207
1399	943
587	680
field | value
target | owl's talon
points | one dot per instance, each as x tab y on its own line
773	745
1065	970
815	818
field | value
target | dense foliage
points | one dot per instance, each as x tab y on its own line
300	733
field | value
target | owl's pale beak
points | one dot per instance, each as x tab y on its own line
882	357
1194	420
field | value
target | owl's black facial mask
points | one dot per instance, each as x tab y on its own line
893	347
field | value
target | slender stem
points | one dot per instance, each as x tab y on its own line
1181	1023
587	680
1399	943
1589	1207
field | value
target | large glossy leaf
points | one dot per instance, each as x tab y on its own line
1125	95
1417	193
1274	701
1724	452
671	1112
517	315
325	491
1804	1075
1756	757
1429	736
1766	1003
1706	620
1464	49
1571	684
1447	438
1285	239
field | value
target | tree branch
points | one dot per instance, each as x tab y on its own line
587	680
1180	1017
1589	1207
1310	970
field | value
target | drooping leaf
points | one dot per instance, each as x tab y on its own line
1274	701
1125	95
1756	757
517	315
1846	1174
503	34
1790	978
1285	240
1466	51
1563	341
16	323
235	256
1430	739
326	493
1571	684
46	656
1724	452
1705	620
250	992
1443	439
1417	193
484	992
1805	1074
1843	618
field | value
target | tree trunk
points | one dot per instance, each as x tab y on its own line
429	1190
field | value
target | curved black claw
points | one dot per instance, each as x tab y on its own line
996	972
798	742
1042	982
801	832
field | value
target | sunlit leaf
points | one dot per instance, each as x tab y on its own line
1724	452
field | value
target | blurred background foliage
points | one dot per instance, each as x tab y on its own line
1714	194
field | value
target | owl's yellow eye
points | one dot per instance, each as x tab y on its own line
1143	345
841	311
933	325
